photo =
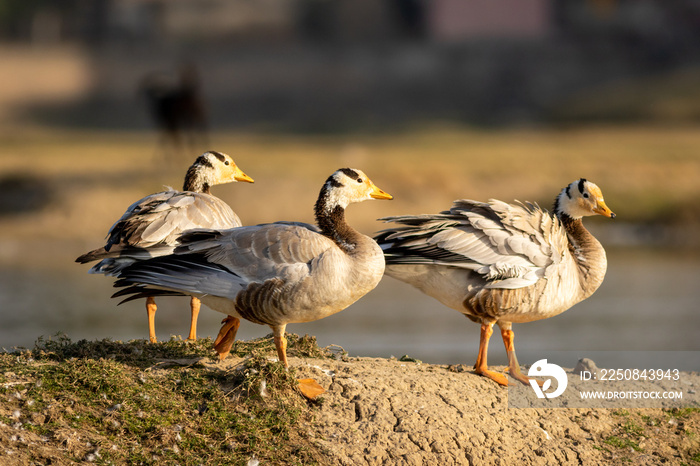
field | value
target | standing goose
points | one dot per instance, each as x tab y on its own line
150	226
272	274
501	263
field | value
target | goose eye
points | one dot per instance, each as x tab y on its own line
359	180
585	195
227	162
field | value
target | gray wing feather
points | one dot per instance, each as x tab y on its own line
151	226
174	212
222	263
510	246
261	252
188	274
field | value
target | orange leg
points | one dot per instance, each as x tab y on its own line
481	366
281	345
195	304
226	337
513	365
151	309
308	387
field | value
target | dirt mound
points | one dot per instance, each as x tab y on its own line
140	403
390	412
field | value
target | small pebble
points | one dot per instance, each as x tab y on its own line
93	456
202	409
586	364
116	407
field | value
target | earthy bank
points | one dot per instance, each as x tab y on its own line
109	402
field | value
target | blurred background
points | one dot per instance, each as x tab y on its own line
105	101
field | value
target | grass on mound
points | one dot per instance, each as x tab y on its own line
110	402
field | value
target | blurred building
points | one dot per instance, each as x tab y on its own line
459	21
319	62
96	21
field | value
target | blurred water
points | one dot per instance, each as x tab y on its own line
649	301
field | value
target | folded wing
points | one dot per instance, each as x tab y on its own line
509	246
150	227
222	263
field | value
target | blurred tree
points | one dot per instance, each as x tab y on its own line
411	17
54	20
16	17
604	8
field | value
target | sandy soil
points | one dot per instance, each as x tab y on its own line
392	412
395	412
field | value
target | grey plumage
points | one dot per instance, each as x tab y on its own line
276	273
501	263
293	262
151	226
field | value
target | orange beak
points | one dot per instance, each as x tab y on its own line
604	210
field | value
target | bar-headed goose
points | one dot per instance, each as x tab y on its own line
501	263
272	274
150	226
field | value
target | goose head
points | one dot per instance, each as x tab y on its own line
212	168
580	199
222	167
346	186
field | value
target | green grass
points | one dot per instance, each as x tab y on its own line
634	428
143	403
628	432
618	442
681	413
631	428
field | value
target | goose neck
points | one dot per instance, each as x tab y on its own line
587	251
331	221
196	181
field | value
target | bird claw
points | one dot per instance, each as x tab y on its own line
520	377
497	377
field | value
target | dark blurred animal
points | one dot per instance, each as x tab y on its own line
177	109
